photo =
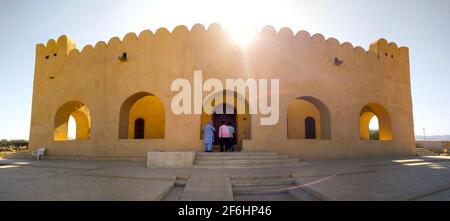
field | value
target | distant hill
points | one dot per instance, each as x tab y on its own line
434	138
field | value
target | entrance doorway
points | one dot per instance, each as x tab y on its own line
240	121
139	128
310	128
219	117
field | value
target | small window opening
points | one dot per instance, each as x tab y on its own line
124	57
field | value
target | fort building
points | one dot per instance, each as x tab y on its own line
119	94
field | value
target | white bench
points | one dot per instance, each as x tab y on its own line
39	153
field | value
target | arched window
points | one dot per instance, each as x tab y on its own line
308	118
374	128
139	128
150	109
72	128
80	125
310	128
375	123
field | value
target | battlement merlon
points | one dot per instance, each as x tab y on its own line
62	46
382	48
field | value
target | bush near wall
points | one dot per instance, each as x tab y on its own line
13	143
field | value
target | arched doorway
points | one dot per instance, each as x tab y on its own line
308	118
310	128
381	130
139	128
82	117
225	113
239	118
142	116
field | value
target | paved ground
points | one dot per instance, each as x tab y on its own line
208	187
416	178
405	178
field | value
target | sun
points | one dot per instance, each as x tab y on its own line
241	34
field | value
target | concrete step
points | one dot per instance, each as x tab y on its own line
283	197
235	160
425	152
181	181
207	188
174	194
261	189
300	194
250	166
244	162
237	154
262	182
422	149
260	177
242	157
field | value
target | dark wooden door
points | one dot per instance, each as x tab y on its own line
310	128
139	128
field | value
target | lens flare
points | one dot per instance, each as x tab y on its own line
242	35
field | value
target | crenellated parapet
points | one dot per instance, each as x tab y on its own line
381	49
61	47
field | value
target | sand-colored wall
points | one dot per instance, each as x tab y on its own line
304	64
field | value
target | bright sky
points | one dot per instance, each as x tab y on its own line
423	26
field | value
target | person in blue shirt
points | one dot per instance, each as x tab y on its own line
232	133
208	139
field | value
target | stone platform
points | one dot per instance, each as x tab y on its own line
399	178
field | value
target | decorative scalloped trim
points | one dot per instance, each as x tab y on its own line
162	31
87	48
284	33
318	37
100	45
333	42
347	45
130	37
269	30
198	27
180	29
303	35
74	52
360	50
383	48
146	34
114	41
215	27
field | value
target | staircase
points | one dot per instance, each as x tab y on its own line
425	152
270	184
233	160
271	188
